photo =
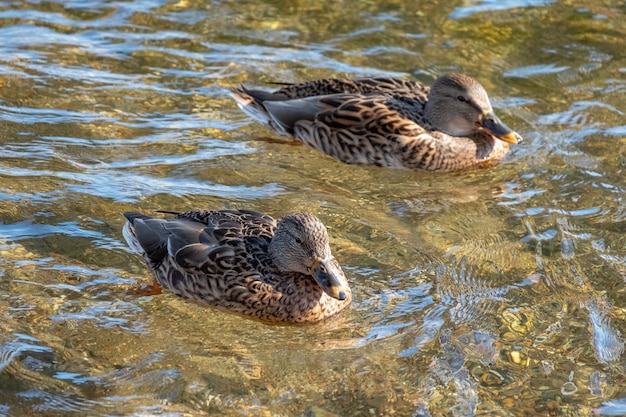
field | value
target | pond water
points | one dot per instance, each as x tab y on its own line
498	291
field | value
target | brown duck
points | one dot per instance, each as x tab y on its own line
387	122
245	262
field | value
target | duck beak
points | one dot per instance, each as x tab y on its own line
328	278
492	124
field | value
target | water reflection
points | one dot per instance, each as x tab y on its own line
495	291
476	7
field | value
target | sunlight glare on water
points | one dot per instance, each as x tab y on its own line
497	291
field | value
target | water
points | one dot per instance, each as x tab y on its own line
488	292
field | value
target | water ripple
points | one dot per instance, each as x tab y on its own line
533	70
578	114
482	6
106	314
28	229
113	106
607	341
26	115
129	187
42	401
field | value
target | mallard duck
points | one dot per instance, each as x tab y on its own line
244	261
387	122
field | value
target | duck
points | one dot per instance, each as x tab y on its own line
387	122
244	261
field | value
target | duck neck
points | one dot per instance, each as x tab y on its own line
275	255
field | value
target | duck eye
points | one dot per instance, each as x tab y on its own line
461	98
298	240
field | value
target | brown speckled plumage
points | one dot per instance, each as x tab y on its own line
387	121
244	261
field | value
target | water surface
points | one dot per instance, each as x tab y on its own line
487	292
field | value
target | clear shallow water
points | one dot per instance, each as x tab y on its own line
491	292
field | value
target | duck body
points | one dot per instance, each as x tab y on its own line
387	122
244	261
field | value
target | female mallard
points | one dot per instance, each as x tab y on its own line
387	121
244	261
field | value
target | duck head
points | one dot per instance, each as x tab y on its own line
458	105
301	244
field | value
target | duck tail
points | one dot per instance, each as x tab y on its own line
252	102
128	231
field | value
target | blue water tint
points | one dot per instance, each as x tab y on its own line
189	17
7	70
383	331
106	314
211	147
514	195
578	114
408	300
23	336
13	349
616	130
268	57
96	77
432	323
360	32
580	212
533	70
534	211
541	236
27	229
43	401
78	378
130	187
384	50
179	121
85	5
607	341
512	102
481	6
27	115
612	408
387	17
18	39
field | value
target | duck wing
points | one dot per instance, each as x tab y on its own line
199	242
357	129
329	86
282	108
